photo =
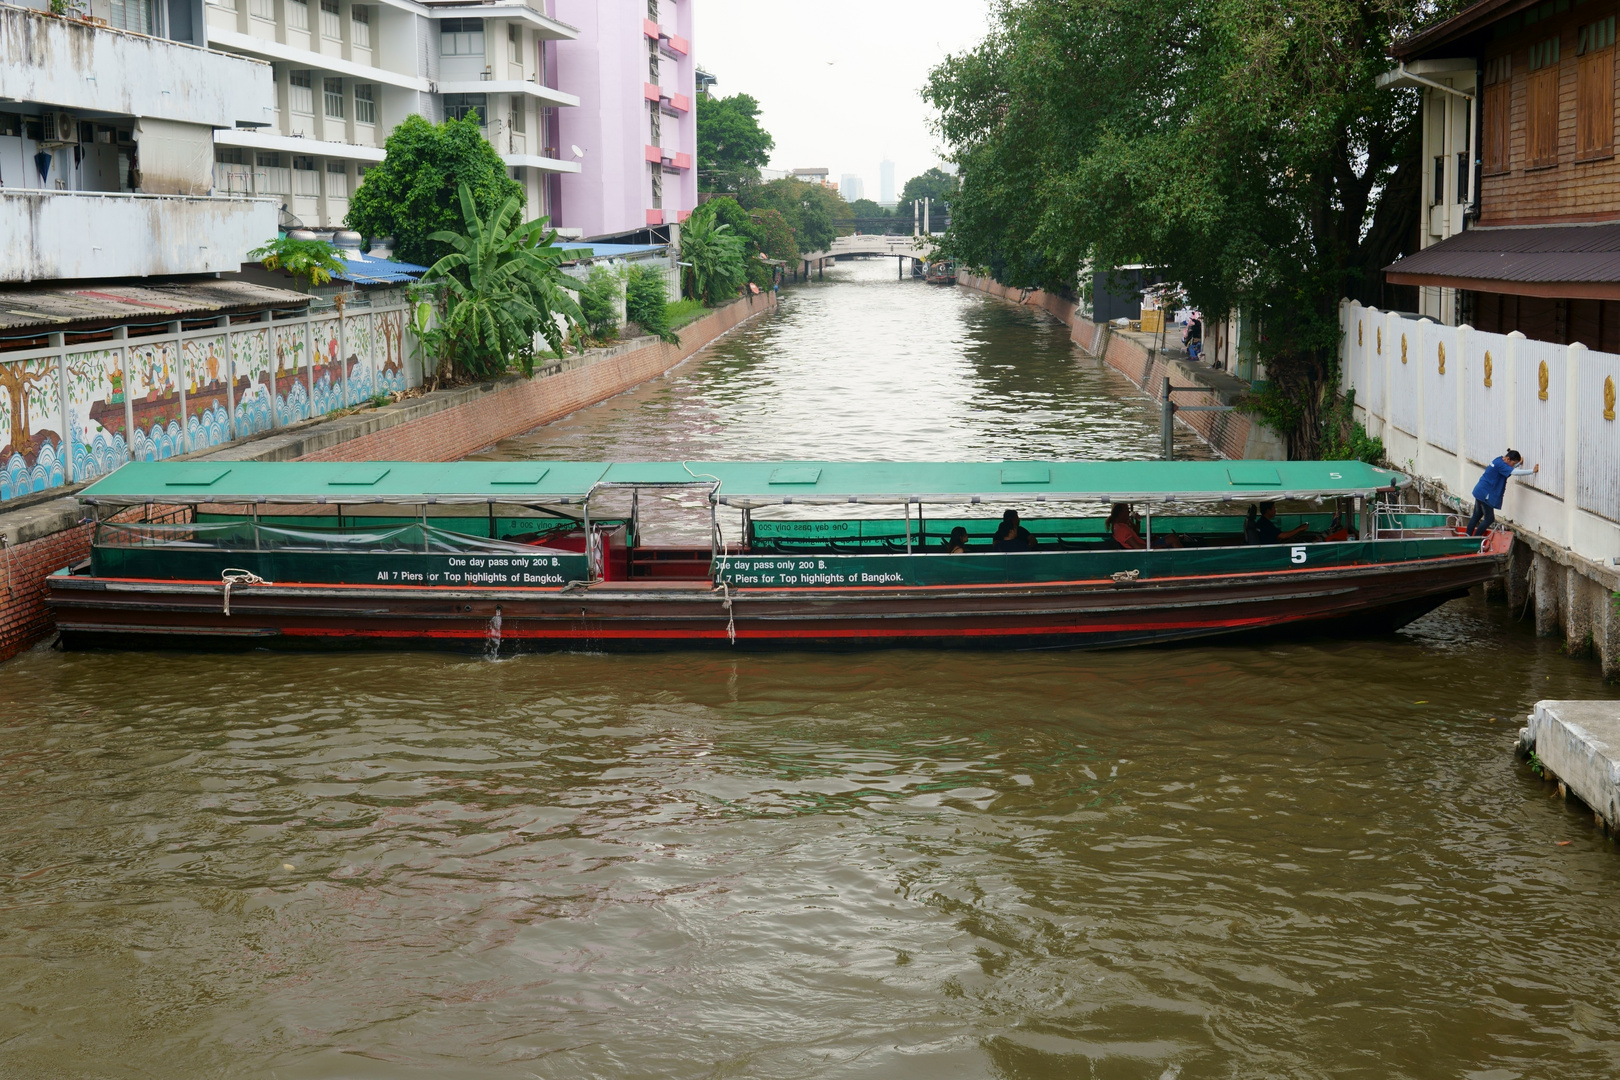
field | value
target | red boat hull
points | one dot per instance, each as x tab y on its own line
125	613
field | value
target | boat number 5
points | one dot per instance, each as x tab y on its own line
1296	555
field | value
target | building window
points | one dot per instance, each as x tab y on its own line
1462	176
297	15
1494	148
270	175
365	103
306	181
262	9
300	93
1439	195
337	180
652	61
520	115
1541	106
132	15
461	37
514	43
459	106
334	98
657	186
655	123
360	27
1594	91
224	5
331	21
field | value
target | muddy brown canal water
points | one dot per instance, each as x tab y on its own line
1293	859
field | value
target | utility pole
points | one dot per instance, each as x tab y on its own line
927	229
916	216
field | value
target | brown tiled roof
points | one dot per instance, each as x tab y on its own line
1531	261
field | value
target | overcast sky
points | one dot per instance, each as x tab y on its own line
838	80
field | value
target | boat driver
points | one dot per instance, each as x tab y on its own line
1268	529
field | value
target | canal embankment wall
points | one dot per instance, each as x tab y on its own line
1446	400
1140	359
41	534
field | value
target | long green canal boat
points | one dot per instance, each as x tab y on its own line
515	556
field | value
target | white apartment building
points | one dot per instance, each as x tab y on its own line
107	139
345	73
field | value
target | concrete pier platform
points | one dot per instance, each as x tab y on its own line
1578	745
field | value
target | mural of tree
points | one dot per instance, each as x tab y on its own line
26	383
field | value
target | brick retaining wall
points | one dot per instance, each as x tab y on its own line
38	540
1232	434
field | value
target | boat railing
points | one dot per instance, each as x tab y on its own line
1410	521
248	535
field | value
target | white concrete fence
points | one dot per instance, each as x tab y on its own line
72	413
1448	399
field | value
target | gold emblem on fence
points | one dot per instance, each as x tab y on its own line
1358	334
1608	397
1487	369
1403	348
1442	358
1380	333
1541	381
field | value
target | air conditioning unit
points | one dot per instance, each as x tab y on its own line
60	129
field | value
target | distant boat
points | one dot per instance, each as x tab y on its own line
941	272
520	556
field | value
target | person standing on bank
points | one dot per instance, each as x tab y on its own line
1492	486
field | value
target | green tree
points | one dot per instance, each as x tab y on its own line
936	185
647	303
731	145
500	285
413	193
1242	147
599	303
815	213
763	232
310	262
714	257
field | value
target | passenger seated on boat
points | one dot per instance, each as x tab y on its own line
1251	525
1011	536
957	544
1123	529
1267	529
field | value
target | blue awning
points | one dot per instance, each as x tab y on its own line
368	270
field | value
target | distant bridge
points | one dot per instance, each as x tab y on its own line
871	244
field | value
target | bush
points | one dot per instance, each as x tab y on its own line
599	300
1343	439
646	304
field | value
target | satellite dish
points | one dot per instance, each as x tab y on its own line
577	151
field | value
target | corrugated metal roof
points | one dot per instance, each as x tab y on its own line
367	270
611	251
91	303
1544	254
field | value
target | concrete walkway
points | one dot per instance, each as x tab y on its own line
1578	746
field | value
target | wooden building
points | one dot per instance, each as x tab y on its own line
1521	215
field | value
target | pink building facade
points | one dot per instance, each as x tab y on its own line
632	69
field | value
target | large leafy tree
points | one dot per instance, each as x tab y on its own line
500	286
1240	145
413	193
732	146
936	185
814	212
763	232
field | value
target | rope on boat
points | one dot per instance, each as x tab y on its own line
232	575
1122	576
731	614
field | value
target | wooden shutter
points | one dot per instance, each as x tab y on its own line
1541	118
1594	105
1496	128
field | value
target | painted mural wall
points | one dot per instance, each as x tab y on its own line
72	414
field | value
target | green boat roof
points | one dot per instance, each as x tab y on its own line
738	483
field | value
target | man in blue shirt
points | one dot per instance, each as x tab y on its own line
1491	487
